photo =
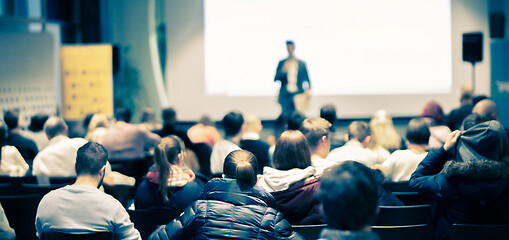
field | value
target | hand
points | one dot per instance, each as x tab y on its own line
452	139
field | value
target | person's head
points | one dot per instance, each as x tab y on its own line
295	120
55	126
169	116
383	133
147	115
232	123
291	151
360	131
349	196
472	120
241	165
328	112
434	111
206	121
11	119
98	120
123	115
466	95
486	108
317	133
290	46
166	154
37	122
86	120
417	132
253	124
91	161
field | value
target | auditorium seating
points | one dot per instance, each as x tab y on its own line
146	221
398	186
18	180
309	231
68	236
123	193
473	231
403	215
413	232
62	180
20	210
412	198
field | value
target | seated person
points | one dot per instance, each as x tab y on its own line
433	114
317	133
356	146
25	146
11	162
233	124
292	179
328	112
348	194
384	137
473	187
402	163
168	186
230	207
82	208
250	141
35	130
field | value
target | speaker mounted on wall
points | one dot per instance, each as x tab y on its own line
472	47
497	25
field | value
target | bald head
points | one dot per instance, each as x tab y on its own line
55	126
486	108
253	124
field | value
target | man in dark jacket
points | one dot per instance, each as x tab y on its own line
474	186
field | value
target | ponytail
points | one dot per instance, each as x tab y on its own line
245	172
241	165
165	155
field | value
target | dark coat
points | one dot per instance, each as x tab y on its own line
302	76
260	149
228	210
148	196
474	186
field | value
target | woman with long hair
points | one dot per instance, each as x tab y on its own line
383	133
168	185
230	207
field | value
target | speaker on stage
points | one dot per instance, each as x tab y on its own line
497	25
472	47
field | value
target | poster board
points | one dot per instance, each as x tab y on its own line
87	80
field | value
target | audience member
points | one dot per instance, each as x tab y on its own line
25	146
402	163
204	132
59	157
383	134
169	126
233	124
250	141
328	112
230	207
473	188
316	131
148	119
97	127
82	208
11	162
167	185
487	108
295	120
348	194
356	146
35	130
478	98
433	114
291	179
457	115
472	120
126	141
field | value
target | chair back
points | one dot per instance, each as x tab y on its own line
18	180
309	232
20	211
412	198
136	168
69	236
62	180
413	232
404	215
123	193
7	189
32	188
474	231
398	186
146	221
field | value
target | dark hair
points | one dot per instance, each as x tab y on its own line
87	119
433	110
358	130
241	165
314	129
478	98
169	116
291	151
123	114
166	154
11	119
472	120
466	96
417	131
55	126
37	122
295	120
232	123
328	112
348	193
90	158
290	42
147	115
3	138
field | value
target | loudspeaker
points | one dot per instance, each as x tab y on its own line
497	25
472	47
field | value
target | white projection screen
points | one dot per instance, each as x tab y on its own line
367	54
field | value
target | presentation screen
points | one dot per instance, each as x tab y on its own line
361	47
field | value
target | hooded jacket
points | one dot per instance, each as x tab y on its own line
473	187
228	210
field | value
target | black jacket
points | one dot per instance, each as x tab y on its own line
228	210
474	186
